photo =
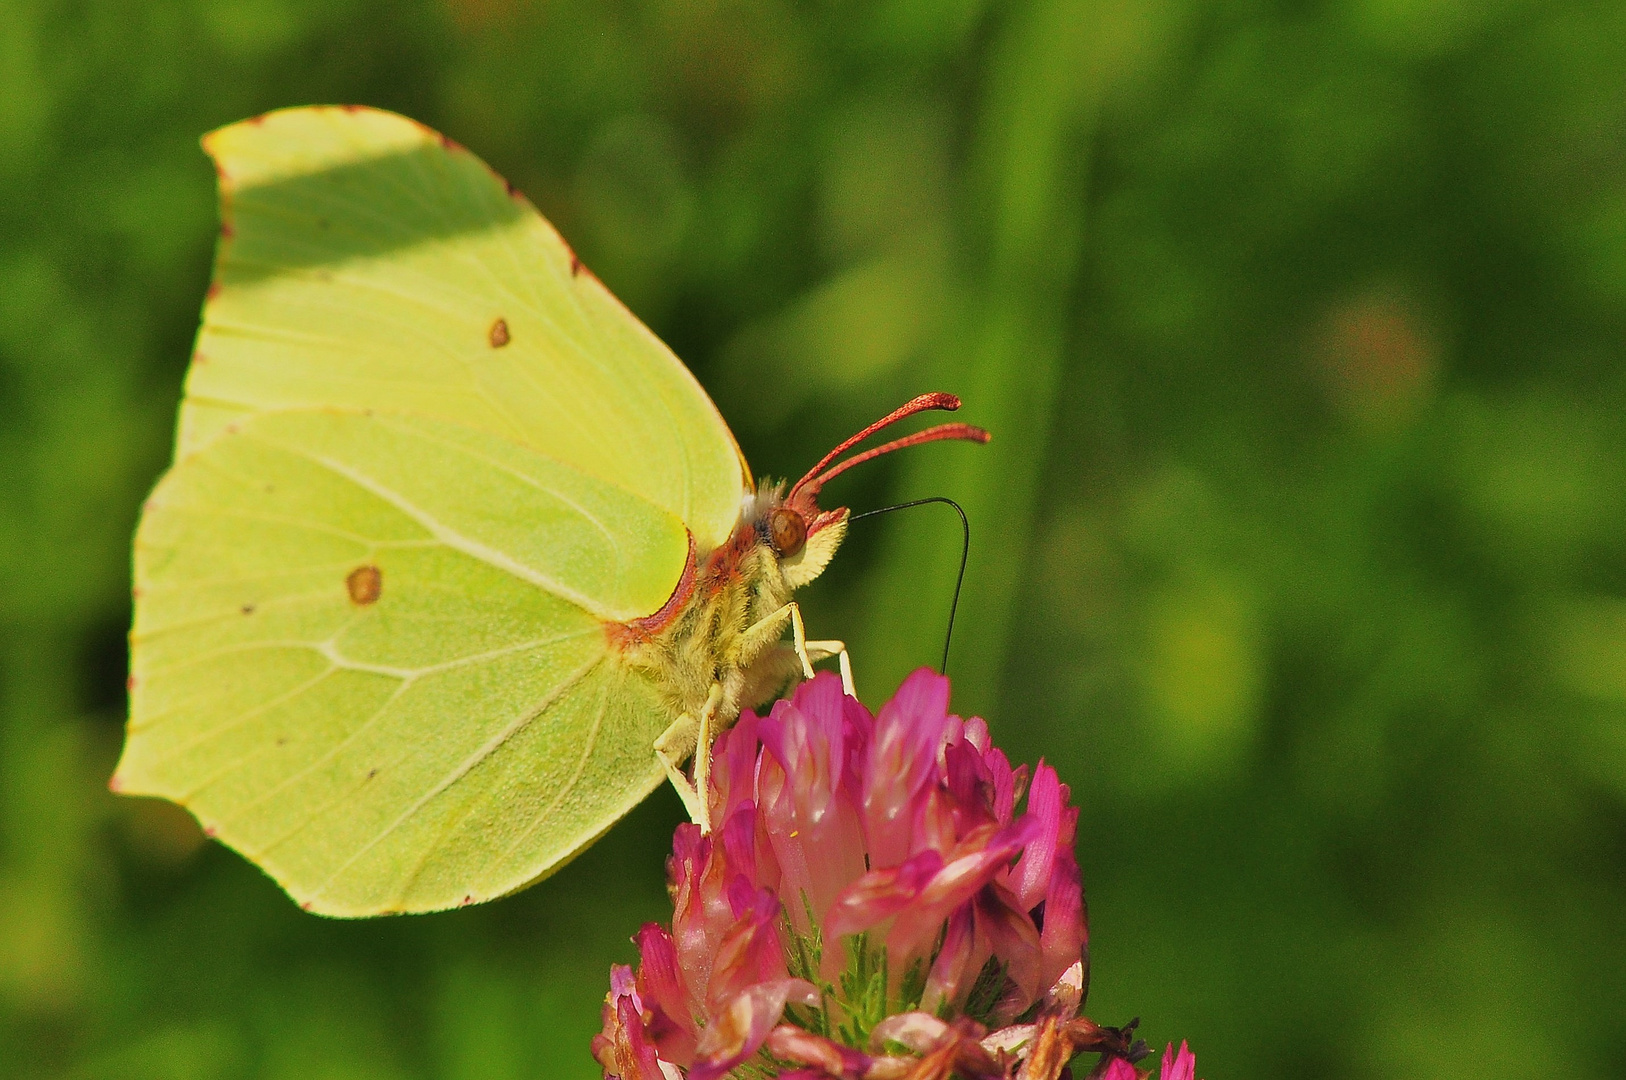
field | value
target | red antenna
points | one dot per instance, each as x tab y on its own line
816	479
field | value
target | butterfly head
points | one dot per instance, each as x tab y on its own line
805	536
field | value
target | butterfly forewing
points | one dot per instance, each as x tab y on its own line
368	263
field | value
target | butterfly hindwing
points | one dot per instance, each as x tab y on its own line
370	654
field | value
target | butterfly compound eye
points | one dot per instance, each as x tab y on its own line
787	530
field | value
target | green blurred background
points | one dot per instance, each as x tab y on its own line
1300	550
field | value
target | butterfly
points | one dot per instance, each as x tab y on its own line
455	560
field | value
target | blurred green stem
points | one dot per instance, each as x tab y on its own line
42	834
1045	79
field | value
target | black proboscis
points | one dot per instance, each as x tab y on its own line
965	552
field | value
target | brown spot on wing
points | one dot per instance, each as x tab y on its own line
575	265
498	335
364	584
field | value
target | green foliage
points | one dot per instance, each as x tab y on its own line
1299	549
863	991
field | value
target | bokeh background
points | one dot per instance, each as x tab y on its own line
1300	549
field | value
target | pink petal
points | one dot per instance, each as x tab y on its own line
861	730
734	783
970	786
953	732
623	983
790	1043
1065	937
975	732
988	850
739	1029
1066	994
660	984
1031	878
623	1047
809	810
750	951
808	736
902	761
738	837
1008	783
684	865
879	895
959	961
734	766
1120	1070
1011	936
701	914
1181	1066
935	821
919	1031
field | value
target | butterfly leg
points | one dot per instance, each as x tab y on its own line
685	737
823	649
770	626
673	747
702	755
